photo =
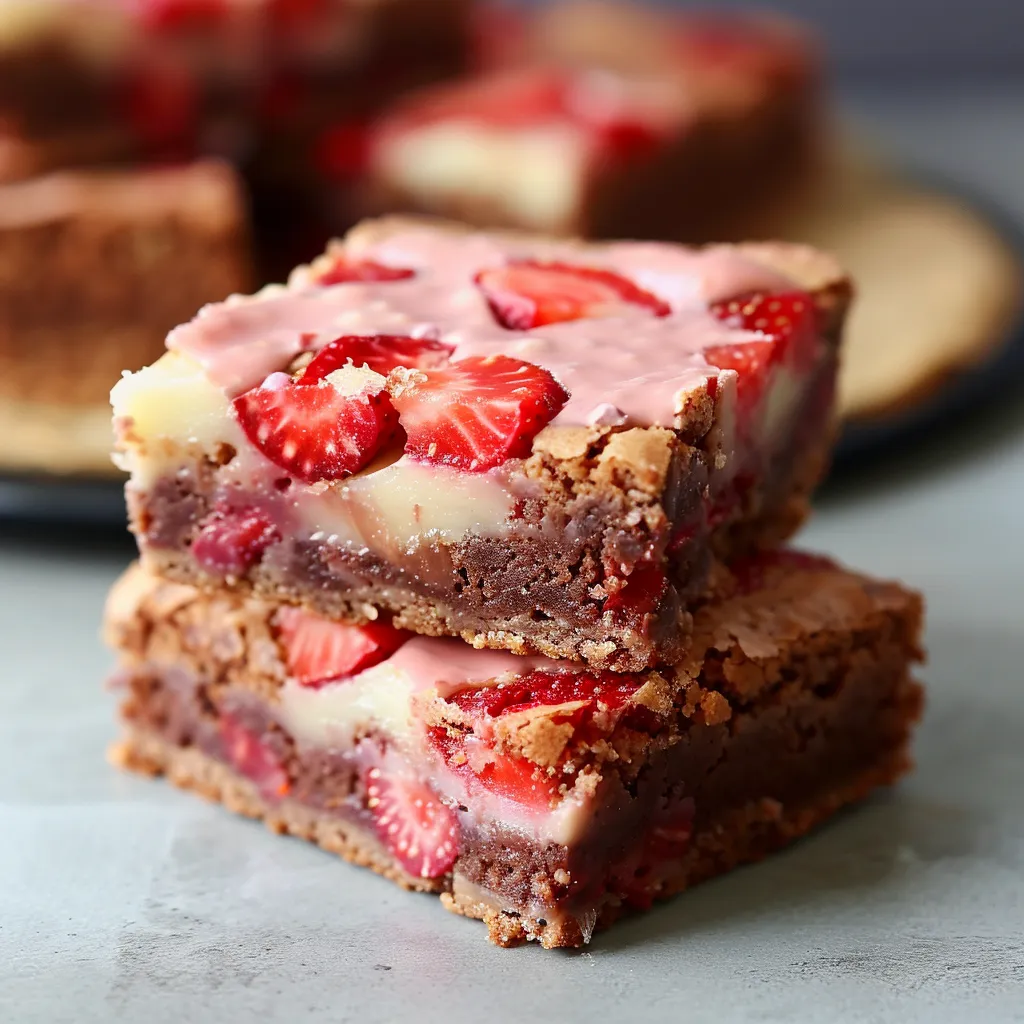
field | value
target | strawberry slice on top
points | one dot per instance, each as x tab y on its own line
344	271
416	827
380	352
475	413
322	431
788	327
319	651
526	294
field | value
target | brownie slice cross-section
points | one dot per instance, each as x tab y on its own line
544	798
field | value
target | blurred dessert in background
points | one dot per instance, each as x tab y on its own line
608	120
100	252
94	265
83	81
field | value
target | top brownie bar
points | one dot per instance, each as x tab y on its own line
534	445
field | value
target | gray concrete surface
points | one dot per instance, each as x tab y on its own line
122	900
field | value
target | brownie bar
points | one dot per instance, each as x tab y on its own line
605	121
540	798
588	539
95	268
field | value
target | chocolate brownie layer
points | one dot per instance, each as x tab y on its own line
540	590
794	700
747	143
95	268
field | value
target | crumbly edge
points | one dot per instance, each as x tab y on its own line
744	650
743	836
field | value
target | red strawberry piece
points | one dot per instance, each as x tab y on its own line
519	780
751	361
514	778
380	352
549	689
629	140
788	323
231	541
323	431
526	294
639	593
253	758
416	827
475	413
319	651
344	271
181	15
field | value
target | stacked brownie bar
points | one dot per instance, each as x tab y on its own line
461	557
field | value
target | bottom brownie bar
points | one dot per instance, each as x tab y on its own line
541	797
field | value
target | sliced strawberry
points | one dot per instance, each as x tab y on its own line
231	541
322	431
319	651
514	778
787	322
416	827
546	689
475	413
751	361
526	294
640	593
344	271
380	352
253	758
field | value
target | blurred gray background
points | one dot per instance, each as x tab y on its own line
917	39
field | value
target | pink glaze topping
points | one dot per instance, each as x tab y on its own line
633	367
430	662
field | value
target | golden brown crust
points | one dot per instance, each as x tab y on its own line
741	836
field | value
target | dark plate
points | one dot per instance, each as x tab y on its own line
90	502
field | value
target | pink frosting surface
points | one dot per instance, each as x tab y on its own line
633	367
446	663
